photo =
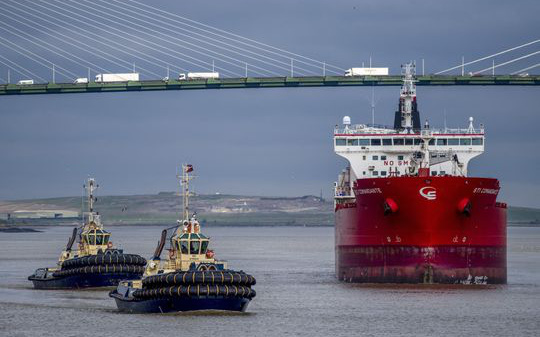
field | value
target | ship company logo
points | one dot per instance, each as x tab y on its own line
428	192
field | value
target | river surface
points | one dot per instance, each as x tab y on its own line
297	294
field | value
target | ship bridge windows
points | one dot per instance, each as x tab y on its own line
409	141
464	141
375	141
432	141
399	141
341	142
442	141
417	141
387	141
453	141
477	141
193	243
96	237
352	142
363	142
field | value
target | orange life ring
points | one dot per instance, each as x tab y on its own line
209	254
109	245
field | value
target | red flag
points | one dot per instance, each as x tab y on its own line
189	168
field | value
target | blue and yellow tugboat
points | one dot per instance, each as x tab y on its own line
190	278
95	262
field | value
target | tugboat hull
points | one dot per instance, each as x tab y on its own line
177	304
81	281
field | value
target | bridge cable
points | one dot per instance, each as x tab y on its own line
116	42
34	42
508	62
157	37
525	69
33	59
28	72
77	41
232	34
206	42
109	45
489	56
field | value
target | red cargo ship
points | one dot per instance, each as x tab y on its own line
406	210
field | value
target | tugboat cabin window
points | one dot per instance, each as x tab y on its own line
90	238
99	239
194	248
184	246
204	246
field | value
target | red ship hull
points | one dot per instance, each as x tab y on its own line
422	230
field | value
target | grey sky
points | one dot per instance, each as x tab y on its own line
278	141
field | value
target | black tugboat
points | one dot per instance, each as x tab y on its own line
95	262
190	278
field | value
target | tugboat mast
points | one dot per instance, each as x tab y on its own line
90	187
184	185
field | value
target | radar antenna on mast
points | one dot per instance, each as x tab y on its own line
407	117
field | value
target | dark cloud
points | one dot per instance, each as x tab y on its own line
277	141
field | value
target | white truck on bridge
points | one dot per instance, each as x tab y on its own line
197	76
366	72
25	82
81	80
107	78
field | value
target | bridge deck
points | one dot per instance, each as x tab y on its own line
263	82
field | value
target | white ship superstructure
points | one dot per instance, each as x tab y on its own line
379	151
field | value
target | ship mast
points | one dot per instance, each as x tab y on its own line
90	187
184	185
407	96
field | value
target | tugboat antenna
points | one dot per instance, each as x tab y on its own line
184	185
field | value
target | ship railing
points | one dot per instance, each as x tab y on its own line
362	129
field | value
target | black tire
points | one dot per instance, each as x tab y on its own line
213	277
104	259
101	269
198	290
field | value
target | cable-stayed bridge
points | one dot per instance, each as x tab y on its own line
45	46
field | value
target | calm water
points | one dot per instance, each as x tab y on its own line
296	292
